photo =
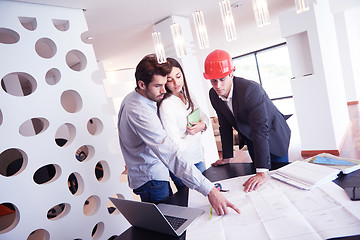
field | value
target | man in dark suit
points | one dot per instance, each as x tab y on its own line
244	105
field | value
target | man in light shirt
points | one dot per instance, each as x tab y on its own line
244	105
148	152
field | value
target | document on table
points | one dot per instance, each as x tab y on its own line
305	175
278	211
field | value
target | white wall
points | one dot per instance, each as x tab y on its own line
348	34
70	99
319	93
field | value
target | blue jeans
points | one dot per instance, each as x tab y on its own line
154	191
178	183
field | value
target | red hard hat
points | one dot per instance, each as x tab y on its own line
218	64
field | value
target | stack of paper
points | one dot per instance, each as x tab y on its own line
305	175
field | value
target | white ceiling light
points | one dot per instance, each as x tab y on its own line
159	47
178	39
228	20
301	6
261	12
201	30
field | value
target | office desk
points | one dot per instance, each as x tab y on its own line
216	174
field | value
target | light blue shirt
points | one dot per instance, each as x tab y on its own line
148	152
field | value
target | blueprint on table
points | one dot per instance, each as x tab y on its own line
277	211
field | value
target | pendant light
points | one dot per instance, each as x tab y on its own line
228	20
159	47
178	39
301	5
261	12
201	30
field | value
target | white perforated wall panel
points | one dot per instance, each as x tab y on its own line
59	153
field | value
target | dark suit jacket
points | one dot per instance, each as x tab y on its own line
255	118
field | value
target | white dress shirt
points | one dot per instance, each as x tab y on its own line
173	114
148	151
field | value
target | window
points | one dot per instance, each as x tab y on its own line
270	67
246	67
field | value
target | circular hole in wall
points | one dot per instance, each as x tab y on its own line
91	205
33	127
102	171
71	101
28	23
18	84
76	60
94	126
75	183
111	207
10	217
45	47
65	134
58	211
98	231
39	234
8	36
47	174
12	161
61	25
53	76
85	152
1	117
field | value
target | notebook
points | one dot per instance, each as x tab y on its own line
345	165
193	117
157	217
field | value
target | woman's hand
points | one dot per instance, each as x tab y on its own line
196	127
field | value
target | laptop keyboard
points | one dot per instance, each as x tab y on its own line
175	222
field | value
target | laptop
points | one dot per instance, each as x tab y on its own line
164	218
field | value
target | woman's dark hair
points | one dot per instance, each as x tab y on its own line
148	67
174	63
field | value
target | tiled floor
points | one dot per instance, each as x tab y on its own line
351	146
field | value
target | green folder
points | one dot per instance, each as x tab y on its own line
193	117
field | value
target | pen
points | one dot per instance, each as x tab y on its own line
210	212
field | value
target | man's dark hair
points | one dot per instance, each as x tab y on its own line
148	67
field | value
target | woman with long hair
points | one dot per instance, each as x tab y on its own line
176	105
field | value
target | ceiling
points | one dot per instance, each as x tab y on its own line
121	29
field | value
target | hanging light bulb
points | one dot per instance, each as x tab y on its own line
228	20
261	12
178	39
159	47
201	30
301	6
